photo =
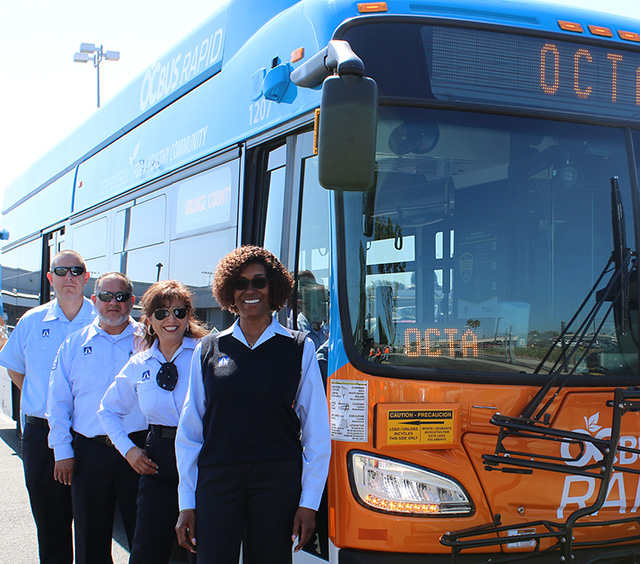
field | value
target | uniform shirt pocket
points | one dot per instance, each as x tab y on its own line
147	394
89	363
88	375
41	352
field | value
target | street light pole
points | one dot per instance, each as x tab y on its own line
97	59
88	49
495	338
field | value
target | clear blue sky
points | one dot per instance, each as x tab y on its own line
44	95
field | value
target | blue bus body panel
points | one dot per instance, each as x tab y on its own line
199	94
181	69
43	209
217	114
337	355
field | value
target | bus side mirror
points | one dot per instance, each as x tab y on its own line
347	133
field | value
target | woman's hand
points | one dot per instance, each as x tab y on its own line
186	529
63	471
140	462
304	523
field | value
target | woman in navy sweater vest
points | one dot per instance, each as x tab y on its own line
253	442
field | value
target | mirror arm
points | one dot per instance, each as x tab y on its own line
337	58
341	58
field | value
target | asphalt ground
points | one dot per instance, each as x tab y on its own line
18	542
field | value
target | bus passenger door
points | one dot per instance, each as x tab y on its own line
24	286
311	292
287	211
52	243
268	194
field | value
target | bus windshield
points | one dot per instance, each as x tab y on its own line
482	238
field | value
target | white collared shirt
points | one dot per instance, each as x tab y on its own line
32	347
136	385
86	365
310	406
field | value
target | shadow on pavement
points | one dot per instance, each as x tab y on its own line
10	438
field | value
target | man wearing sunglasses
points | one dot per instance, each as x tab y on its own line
28	357
86	365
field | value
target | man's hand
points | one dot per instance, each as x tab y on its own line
140	462
304	523
186	529
63	471
16	377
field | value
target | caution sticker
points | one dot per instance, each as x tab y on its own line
422	425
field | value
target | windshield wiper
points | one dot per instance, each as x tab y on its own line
620	253
621	263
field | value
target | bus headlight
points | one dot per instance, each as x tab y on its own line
396	487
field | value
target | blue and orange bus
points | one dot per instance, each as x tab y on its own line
455	187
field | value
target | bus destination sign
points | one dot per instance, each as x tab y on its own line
517	70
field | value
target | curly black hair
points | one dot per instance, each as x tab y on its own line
230	266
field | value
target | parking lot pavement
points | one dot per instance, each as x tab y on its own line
17	530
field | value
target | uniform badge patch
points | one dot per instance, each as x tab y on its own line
146	375
223	361
87	350
45	332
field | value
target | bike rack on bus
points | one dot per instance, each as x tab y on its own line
512	461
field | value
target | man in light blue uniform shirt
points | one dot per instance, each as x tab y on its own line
28	357
87	363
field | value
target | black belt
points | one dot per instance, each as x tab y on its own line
102	439
37	421
138	438
163	432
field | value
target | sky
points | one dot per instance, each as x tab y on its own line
44	95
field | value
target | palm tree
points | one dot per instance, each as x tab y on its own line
473	323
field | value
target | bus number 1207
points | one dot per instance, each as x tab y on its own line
258	111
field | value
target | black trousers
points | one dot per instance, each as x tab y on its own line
50	500
157	506
101	477
249	504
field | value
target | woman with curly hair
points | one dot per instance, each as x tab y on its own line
253	442
157	380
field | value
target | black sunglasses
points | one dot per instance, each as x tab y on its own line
163	312
167	376
62	270
257	283
119	296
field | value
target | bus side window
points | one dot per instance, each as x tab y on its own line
21	276
193	262
90	240
146	249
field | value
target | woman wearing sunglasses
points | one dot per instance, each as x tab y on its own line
253	441
156	379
